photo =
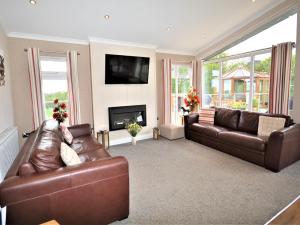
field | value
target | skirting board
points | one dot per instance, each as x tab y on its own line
128	139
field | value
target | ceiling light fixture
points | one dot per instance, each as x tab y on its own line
106	17
253	1
32	2
168	28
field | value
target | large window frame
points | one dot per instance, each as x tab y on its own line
176	94
250	55
53	73
220	61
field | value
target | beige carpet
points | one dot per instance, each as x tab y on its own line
182	182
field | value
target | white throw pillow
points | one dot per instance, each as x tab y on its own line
66	133
267	125
68	155
207	116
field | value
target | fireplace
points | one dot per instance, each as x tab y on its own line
119	116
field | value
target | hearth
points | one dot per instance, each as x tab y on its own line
119	116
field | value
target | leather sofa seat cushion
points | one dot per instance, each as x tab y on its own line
207	129
85	143
46	155
249	121
227	118
93	155
244	139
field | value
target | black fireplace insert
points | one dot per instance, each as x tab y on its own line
119	116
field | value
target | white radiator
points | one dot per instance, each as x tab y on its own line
9	148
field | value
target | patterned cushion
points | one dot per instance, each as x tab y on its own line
207	116
267	125
68	155
66	133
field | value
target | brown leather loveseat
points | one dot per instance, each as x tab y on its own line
39	187
235	132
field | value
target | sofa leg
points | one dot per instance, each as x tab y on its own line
123	218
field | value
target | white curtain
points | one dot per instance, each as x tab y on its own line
73	88
197	76
167	90
280	78
37	103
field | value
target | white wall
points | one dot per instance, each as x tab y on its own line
105	96
6	109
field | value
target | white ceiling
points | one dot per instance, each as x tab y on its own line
194	23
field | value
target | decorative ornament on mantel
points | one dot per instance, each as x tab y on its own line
192	100
59	111
2	71
133	129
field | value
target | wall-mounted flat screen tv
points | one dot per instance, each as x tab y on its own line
120	69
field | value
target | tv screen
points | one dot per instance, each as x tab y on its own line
121	69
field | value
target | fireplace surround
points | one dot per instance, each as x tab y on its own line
119	116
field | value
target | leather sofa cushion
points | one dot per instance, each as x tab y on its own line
53	126
244	139
46	155
93	155
207	129
227	118
85	143
249	121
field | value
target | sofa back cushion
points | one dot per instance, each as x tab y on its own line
53	126
249	121
46	153
227	118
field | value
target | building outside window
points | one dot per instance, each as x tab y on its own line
181	83
54	81
240	80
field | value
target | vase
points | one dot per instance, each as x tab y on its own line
193	108
133	140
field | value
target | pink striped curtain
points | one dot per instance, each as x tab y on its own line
280	78
197	76
73	88
167	90
37	103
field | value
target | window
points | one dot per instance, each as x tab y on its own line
242	81
293	74
236	77
181	83
54	81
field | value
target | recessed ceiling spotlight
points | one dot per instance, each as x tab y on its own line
253	0
106	17
32	2
168	28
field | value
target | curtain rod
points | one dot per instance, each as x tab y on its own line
55	52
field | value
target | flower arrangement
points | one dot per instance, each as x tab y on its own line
192	100
59	111
133	128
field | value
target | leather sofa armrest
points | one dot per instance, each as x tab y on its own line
80	130
283	148
17	189
189	120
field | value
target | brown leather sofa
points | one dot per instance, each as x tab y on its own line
235	132
39	187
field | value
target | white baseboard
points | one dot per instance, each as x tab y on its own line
128	139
